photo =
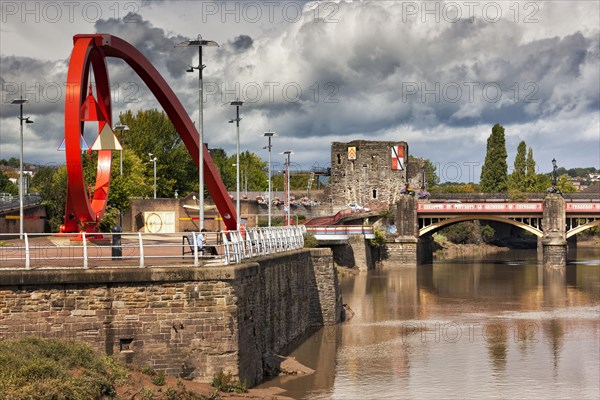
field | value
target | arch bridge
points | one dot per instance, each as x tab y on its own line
580	216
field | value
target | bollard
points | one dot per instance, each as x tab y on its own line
117	250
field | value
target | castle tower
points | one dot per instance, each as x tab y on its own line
368	173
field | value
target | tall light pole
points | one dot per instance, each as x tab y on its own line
121	128
153	159
237	104
554	167
199	43
269	135
20	102
287	195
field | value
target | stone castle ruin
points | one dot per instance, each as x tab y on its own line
371	173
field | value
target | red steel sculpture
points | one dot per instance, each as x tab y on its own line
83	213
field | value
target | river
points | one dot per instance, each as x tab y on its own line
464	329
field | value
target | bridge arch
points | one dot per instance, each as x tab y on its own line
434	226
583	227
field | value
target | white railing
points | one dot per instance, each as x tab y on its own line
137	249
340	230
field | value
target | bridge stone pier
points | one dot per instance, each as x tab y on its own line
402	252
554	241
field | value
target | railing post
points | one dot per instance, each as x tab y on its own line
249	236
85	255
226	247
141	244
27	252
195	243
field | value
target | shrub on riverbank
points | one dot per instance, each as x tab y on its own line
51	369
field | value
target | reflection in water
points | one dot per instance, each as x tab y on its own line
496	336
466	330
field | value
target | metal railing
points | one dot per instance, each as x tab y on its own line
138	249
340	230
477	197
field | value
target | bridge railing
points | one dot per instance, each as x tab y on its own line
138	249
340	230
504	197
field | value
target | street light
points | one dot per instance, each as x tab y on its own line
20	102
287	195
154	161
237	104
554	172
121	128
269	135
199	43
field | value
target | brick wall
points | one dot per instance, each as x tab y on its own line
190	322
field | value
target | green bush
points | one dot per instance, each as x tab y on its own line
379	240
460	233
225	383
52	369
157	377
310	241
487	233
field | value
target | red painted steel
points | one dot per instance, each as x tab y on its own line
583	207
502	208
488	208
81	212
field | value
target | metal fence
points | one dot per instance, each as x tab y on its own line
137	249
504	197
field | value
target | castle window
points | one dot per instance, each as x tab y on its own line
339	159
374	193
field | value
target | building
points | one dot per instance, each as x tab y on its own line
369	173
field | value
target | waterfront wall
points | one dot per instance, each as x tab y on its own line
189	322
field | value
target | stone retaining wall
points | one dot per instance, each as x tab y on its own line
189	322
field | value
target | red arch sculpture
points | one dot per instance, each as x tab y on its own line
81	212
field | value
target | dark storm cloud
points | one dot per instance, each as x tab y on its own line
153	42
453	74
41	82
242	42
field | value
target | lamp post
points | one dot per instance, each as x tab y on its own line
554	172
287	194
20	102
237	104
153	160
199	43
121	128
423	178
269	135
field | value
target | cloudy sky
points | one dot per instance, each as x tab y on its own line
438	75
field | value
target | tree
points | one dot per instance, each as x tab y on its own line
151	131
564	184
449	187
6	186
494	170
530	173
52	186
517	179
